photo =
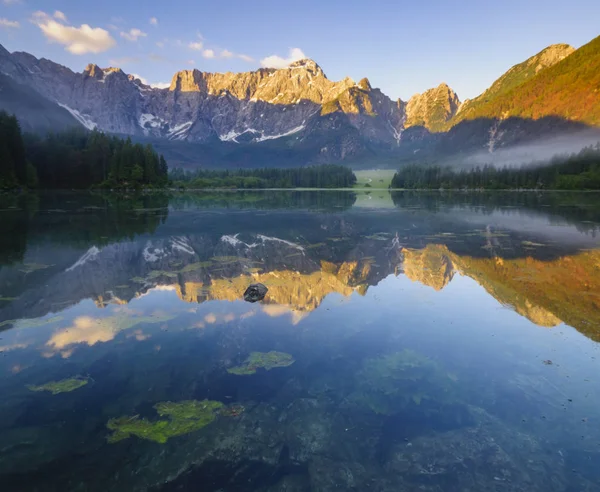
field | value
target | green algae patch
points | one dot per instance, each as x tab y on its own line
192	267
387	384
182	418
161	273
228	260
62	386
32	323
265	360
33	267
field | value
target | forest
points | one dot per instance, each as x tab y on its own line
326	176
579	171
75	159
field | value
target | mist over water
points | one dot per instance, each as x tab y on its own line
539	152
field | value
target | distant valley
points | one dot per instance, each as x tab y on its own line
296	115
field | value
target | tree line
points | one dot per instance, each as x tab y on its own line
580	171
326	176
75	158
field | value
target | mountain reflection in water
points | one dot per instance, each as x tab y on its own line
447	342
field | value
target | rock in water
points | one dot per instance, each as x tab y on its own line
255	292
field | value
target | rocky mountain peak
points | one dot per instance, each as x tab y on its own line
432	109
551	55
308	65
93	70
365	84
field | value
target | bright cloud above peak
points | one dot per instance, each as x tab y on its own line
77	40
208	54
133	34
196	45
276	61
60	16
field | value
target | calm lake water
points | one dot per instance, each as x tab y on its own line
426	342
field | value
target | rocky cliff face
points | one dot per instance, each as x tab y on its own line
296	115
293	104
432	109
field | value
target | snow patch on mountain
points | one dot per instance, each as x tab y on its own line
182	244
91	254
83	119
235	242
178	132
263	137
151	254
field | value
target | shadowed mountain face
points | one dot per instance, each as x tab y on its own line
296	115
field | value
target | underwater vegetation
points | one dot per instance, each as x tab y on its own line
32	323
388	383
266	360
33	267
182	418
62	386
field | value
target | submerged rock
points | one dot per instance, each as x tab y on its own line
255	292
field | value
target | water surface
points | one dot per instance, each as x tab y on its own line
409	341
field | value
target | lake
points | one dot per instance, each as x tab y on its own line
412	341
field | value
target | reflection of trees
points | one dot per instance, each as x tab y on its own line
75	219
16	212
314	200
576	208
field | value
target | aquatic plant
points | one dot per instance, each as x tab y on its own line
31	323
183	417
161	273
387	383
192	267
33	267
226	260
266	360
62	386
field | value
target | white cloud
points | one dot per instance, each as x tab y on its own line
275	61
78	40
8	23
208	54
133	34
196	45
246	58
226	54
142	79
157	85
191	62
60	16
154	21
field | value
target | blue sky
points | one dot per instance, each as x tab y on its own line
402	47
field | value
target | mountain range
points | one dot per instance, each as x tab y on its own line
296	115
